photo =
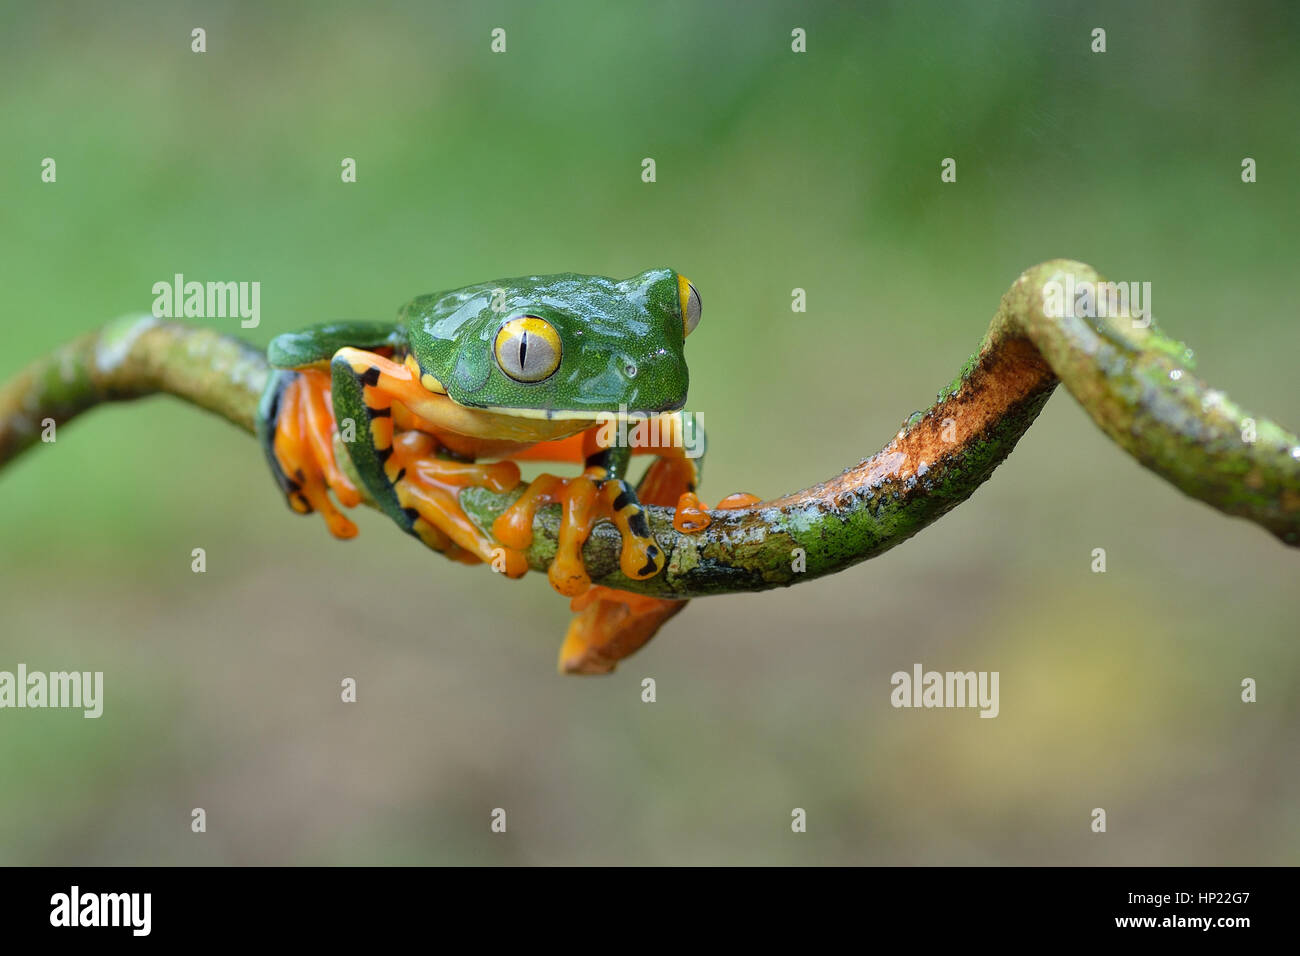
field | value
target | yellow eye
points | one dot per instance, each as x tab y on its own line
691	306
528	349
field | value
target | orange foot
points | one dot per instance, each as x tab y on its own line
692	518
611	625
304	434
582	503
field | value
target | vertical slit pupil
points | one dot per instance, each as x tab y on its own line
523	350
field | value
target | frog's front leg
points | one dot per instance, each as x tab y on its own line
402	471
599	492
295	419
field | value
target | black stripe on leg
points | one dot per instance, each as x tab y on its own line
370	376
637	524
651	567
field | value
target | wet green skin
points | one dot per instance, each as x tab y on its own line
1137	385
622	350
623	342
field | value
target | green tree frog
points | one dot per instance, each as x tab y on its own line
466	384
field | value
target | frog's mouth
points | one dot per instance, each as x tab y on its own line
525	424
588	415
591	416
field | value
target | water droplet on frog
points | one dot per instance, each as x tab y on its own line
1176	374
630	370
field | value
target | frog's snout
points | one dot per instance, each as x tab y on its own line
656	382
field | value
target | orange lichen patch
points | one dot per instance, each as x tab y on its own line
610	626
303	446
1007	375
741	499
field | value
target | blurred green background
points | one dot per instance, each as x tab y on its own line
775	171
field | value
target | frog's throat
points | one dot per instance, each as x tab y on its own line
444	413
587	415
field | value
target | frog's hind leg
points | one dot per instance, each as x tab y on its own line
402	470
428	488
296	428
609	626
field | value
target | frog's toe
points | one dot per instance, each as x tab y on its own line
313	490
582	502
302	444
568	572
690	516
578	500
641	557
514	526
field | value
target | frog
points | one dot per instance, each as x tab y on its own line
465	385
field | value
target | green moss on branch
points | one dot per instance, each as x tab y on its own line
1136	384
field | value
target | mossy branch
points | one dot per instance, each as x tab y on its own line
1135	383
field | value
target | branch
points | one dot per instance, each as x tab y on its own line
1134	382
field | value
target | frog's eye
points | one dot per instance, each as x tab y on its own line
691	306
528	349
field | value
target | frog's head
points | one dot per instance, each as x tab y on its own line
560	346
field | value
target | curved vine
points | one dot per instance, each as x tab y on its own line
1135	383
